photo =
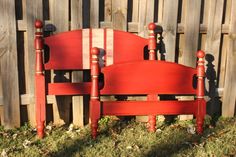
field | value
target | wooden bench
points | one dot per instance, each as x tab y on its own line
151	78
71	51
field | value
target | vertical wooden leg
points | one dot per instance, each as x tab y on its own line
40	105
94	128
94	116
199	125
152	118
40	129
201	111
152	123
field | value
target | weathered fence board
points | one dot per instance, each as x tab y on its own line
169	25
213	37
229	97
77	76
146	15
191	32
94	13
9	69
119	14
59	16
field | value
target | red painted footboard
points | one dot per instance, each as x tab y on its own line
150	78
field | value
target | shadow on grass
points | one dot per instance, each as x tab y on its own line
72	147
166	143
186	143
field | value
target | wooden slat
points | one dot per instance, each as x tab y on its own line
160	11
146	15
132	26
225	44
9	69
119	14
224	53
213	37
108	11
149	107
227	11
183	12
206	11
135	10
94	13
170	28
76	14
34	11
229	95
59	16
192	24
77	76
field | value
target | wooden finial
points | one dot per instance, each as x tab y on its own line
38	24
200	54
152	41
152	26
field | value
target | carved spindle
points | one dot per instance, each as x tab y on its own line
152	41
94	97
152	56
200	91
200	74
39	79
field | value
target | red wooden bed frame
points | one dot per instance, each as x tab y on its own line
151	78
71	51
145	77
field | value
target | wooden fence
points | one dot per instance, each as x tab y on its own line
188	25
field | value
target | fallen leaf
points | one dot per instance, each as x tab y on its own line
49	127
129	147
26	143
4	153
191	129
14	136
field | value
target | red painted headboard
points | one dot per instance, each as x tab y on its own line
148	77
71	50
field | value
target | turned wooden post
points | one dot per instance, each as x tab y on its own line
94	97
152	41
201	109
39	79
152	56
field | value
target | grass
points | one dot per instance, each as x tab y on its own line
123	139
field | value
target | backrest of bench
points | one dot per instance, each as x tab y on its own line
148	77
71	50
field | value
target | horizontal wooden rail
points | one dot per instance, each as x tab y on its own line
28	99
132	26
122	108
